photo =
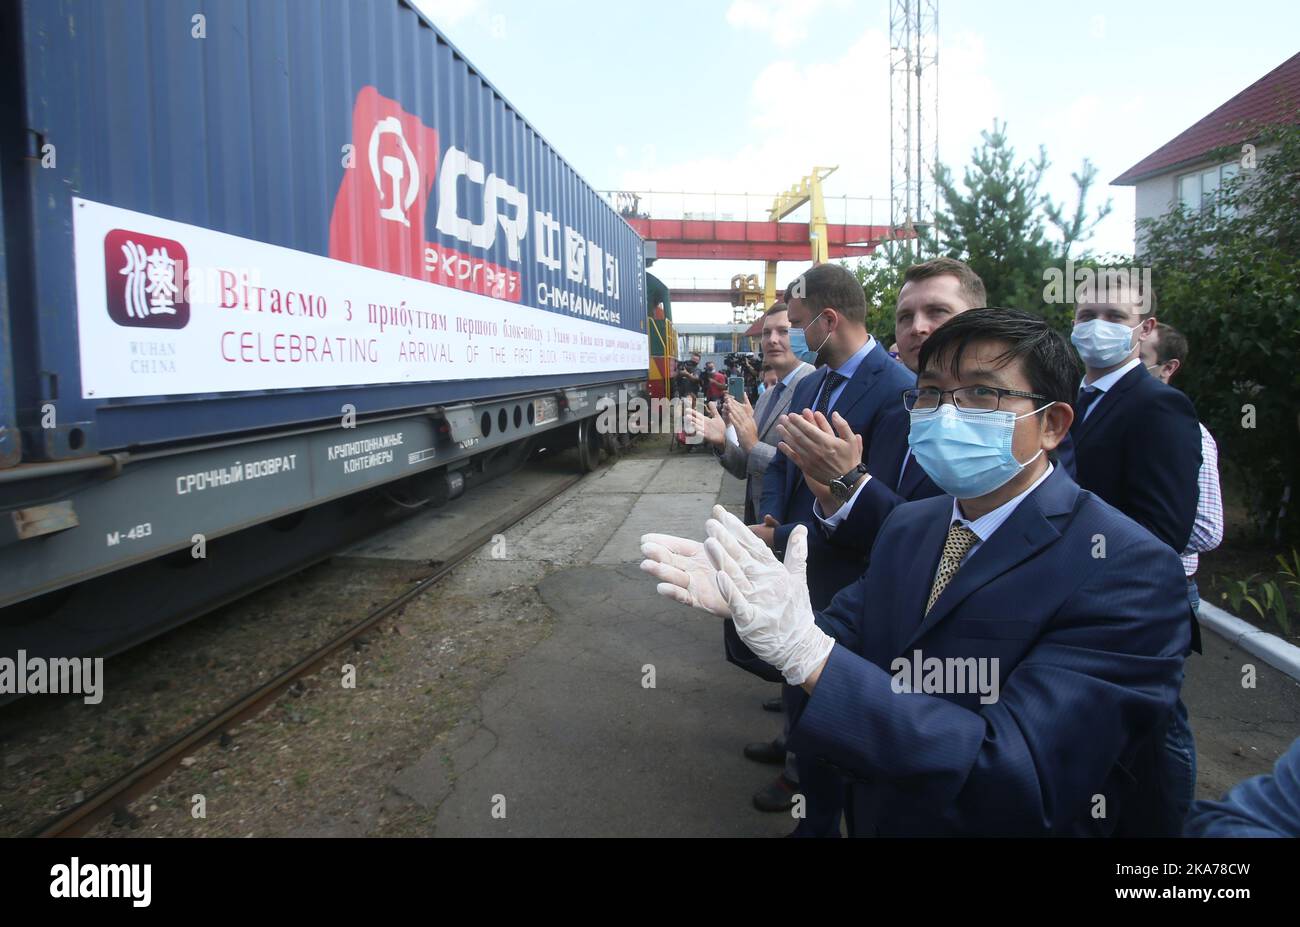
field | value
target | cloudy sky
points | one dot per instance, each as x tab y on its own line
741	96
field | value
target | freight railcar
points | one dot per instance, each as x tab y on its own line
261	260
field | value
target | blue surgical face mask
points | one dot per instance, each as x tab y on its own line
967	454
1101	343
810	354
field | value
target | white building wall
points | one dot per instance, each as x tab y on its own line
1158	195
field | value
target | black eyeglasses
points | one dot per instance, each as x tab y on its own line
926	399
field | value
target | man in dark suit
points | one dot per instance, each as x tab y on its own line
860	382
990	673
1137	443
933	292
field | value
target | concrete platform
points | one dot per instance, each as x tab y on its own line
580	743
576	736
574	741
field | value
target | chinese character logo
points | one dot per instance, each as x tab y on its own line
396	169
146	280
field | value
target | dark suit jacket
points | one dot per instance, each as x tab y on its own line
889	487
1090	656
1140	450
872	404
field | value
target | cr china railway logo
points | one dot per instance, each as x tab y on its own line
145	278
381	211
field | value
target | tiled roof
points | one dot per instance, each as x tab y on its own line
1273	98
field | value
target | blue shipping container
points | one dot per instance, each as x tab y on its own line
230	215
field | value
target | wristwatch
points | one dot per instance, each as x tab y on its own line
842	487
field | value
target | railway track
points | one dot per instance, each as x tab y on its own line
129	786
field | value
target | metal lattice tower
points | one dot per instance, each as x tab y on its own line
913	116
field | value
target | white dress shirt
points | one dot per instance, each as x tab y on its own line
1106	382
846	370
984	526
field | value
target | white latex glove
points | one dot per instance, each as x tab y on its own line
685	572
767	599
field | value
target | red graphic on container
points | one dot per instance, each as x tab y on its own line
379	212
145	278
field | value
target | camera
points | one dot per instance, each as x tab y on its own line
740	361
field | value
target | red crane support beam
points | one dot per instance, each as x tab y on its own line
738	251
701	296
753	241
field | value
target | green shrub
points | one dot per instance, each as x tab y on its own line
1229	279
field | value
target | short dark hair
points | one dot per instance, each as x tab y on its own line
1113	281
830	286
777	307
1051	365
1171	344
972	287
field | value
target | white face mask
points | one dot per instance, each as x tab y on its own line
1101	343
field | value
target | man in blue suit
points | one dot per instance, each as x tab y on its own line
1137	445
998	669
860	382
933	292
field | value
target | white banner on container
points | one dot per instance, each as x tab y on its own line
166	308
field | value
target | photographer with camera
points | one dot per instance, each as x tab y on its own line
686	378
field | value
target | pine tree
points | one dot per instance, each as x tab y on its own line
996	225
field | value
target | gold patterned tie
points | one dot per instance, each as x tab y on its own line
955	548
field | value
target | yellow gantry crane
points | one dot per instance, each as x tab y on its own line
807	190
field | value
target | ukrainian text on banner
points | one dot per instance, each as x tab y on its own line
166	308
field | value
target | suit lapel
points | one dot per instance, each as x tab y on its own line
1027	531
864	378
781	405
913	476
761	407
1109	400
920	576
